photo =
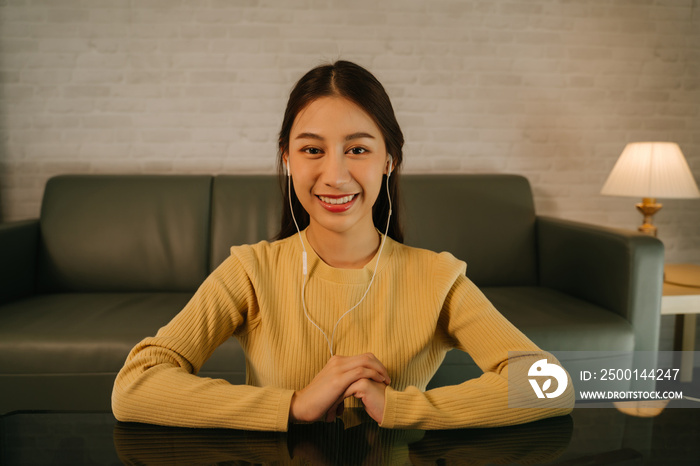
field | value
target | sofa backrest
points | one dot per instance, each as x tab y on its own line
246	209
167	232
124	233
486	220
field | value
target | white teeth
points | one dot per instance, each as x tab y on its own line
340	200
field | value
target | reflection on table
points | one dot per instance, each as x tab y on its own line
352	441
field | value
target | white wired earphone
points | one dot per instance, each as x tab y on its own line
304	261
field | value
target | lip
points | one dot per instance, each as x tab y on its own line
336	208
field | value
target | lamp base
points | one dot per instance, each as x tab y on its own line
648	207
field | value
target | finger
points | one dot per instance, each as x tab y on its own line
355	389
367	361
335	410
374	363
359	373
372	396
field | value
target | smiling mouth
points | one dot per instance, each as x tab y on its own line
337	200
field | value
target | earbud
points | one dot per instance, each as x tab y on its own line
286	165
390	166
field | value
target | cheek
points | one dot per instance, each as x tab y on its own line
302	176
373	183
301	189
303	183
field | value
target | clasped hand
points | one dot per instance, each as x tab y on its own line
363	377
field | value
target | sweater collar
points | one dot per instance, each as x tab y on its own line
319	269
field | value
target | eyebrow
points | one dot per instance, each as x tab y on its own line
349	137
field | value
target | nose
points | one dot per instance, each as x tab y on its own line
335	171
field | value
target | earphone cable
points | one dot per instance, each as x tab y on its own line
376	265
304	265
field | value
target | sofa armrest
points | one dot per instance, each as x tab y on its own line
619	270
18	250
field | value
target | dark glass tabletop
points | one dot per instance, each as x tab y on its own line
588	436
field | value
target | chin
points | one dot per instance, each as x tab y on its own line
336	227
339	223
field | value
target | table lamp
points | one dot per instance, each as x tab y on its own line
651	170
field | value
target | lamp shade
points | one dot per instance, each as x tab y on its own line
653	170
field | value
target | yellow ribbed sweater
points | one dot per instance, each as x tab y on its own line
420	305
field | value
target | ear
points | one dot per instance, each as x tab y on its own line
285	161
389	165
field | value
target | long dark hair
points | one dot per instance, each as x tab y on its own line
351	81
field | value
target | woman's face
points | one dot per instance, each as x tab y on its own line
337	156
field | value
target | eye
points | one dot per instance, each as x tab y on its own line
358	151
312	150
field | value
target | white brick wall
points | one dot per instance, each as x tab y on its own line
549	89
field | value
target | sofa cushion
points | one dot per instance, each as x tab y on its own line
77	333
559	322
63	351
92	333
486	220
124	233
553	320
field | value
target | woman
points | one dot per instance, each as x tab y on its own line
334	313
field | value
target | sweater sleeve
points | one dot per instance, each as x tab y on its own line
470	323
158	383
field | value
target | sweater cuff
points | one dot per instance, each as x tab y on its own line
390	402
285	402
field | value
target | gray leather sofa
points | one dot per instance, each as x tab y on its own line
113	258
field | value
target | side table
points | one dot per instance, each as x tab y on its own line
681	297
